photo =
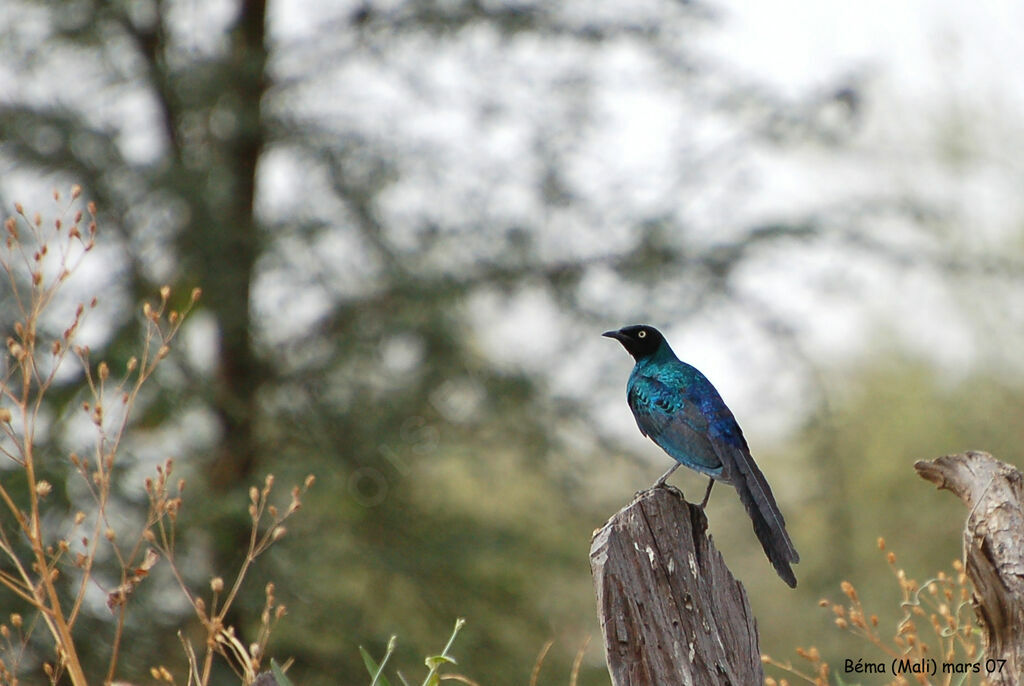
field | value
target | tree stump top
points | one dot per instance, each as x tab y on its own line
671	612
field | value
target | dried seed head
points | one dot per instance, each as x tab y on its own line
109	534
103	371
849	590
217	584
165	292
76	191
196	294
79	517
279	533
43	488
5	415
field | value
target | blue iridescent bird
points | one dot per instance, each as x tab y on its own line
678	408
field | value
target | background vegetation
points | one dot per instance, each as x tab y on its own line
410	221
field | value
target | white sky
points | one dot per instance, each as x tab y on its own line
926	47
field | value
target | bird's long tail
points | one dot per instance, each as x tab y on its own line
769	524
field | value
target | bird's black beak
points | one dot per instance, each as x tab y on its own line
617	335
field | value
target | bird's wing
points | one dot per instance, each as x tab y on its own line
675	423
692	423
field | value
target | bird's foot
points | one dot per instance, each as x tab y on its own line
660	483
658	486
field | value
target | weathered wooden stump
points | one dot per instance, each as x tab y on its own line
993	492
670	610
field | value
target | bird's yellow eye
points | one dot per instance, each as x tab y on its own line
641	334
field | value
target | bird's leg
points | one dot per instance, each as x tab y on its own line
707	493
661	481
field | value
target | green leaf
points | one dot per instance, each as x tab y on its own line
437	661
278	673
377	672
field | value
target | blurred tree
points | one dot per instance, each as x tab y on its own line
383	203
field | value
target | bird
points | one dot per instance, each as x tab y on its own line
676	406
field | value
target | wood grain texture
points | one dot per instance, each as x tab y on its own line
670	610
993	549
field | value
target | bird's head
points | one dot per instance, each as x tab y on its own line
640	340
